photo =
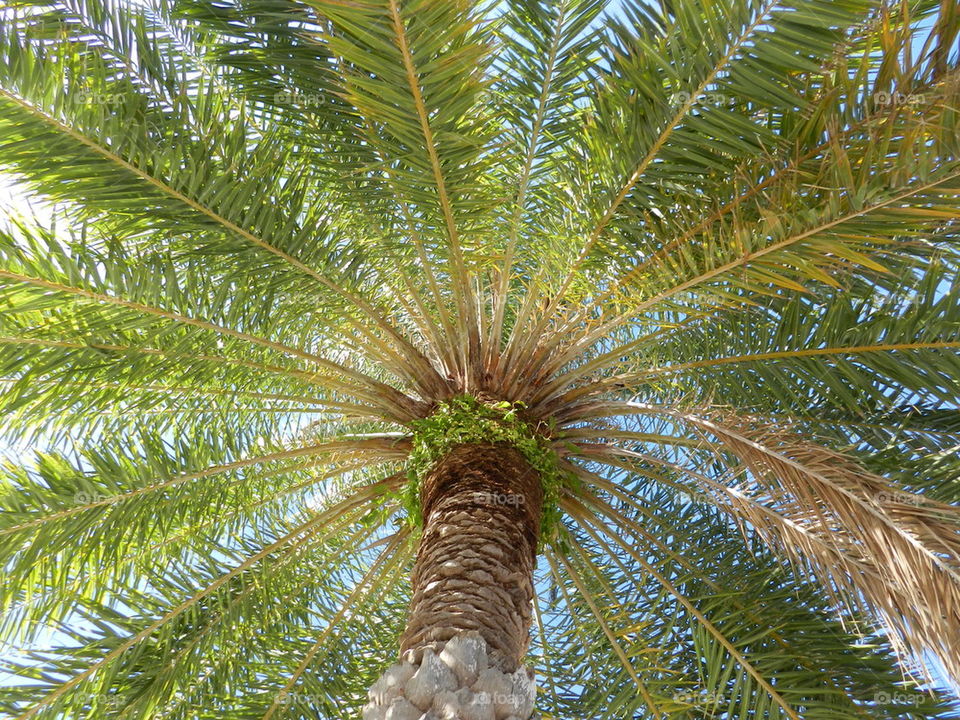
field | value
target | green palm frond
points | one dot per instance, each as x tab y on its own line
707	249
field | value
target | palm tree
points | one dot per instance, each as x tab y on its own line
399	354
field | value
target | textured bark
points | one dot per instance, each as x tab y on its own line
469	622
474	568
456	683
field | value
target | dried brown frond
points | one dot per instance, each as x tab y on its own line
869	542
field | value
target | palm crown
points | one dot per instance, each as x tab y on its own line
701	254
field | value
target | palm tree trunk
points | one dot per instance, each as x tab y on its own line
470	615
